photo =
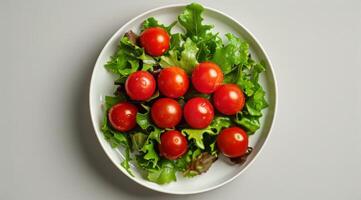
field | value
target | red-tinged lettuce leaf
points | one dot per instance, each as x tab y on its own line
200	164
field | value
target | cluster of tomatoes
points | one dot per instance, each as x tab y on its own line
166	112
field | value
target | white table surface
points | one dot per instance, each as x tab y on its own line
48	147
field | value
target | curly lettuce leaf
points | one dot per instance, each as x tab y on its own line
250	123
200	164
187	59
214	128
207	45
125	163
112	100
127	58
191	19
148	148
257	102
149	153
165	174
206	41
177	42
144	121
248	80
152	22
234	53
248	77
197	135
182	162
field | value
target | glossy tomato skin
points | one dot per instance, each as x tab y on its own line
172	145
122	116
140	85
166	113
207	77
155	41
198	112
229	99
233	142
173	82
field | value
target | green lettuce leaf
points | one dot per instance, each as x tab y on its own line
125	163
187	58
206	41
148	148
165	174
191	19
127	58
177	41
207	45
256	103
149	153
144	121
248	80
152	22
250	123
112	100
234	53
248	77
214	128
182	162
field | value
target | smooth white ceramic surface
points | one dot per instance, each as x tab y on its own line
221	171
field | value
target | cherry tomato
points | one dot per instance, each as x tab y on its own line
155	41
233	142
198	112
228	99
166	113
140	85
122	116
172	145
207	77
173	82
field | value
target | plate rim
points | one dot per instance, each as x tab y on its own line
270	68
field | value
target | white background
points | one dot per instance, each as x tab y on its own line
48	147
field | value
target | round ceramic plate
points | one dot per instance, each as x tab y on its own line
222	171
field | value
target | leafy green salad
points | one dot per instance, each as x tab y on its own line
182	99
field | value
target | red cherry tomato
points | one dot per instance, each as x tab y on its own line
122	116
155	41
228	99
166	113
172	145
173	82
198	112
207	77
232	142
140	85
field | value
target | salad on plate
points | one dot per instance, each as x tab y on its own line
182	99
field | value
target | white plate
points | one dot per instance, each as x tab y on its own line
221	171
